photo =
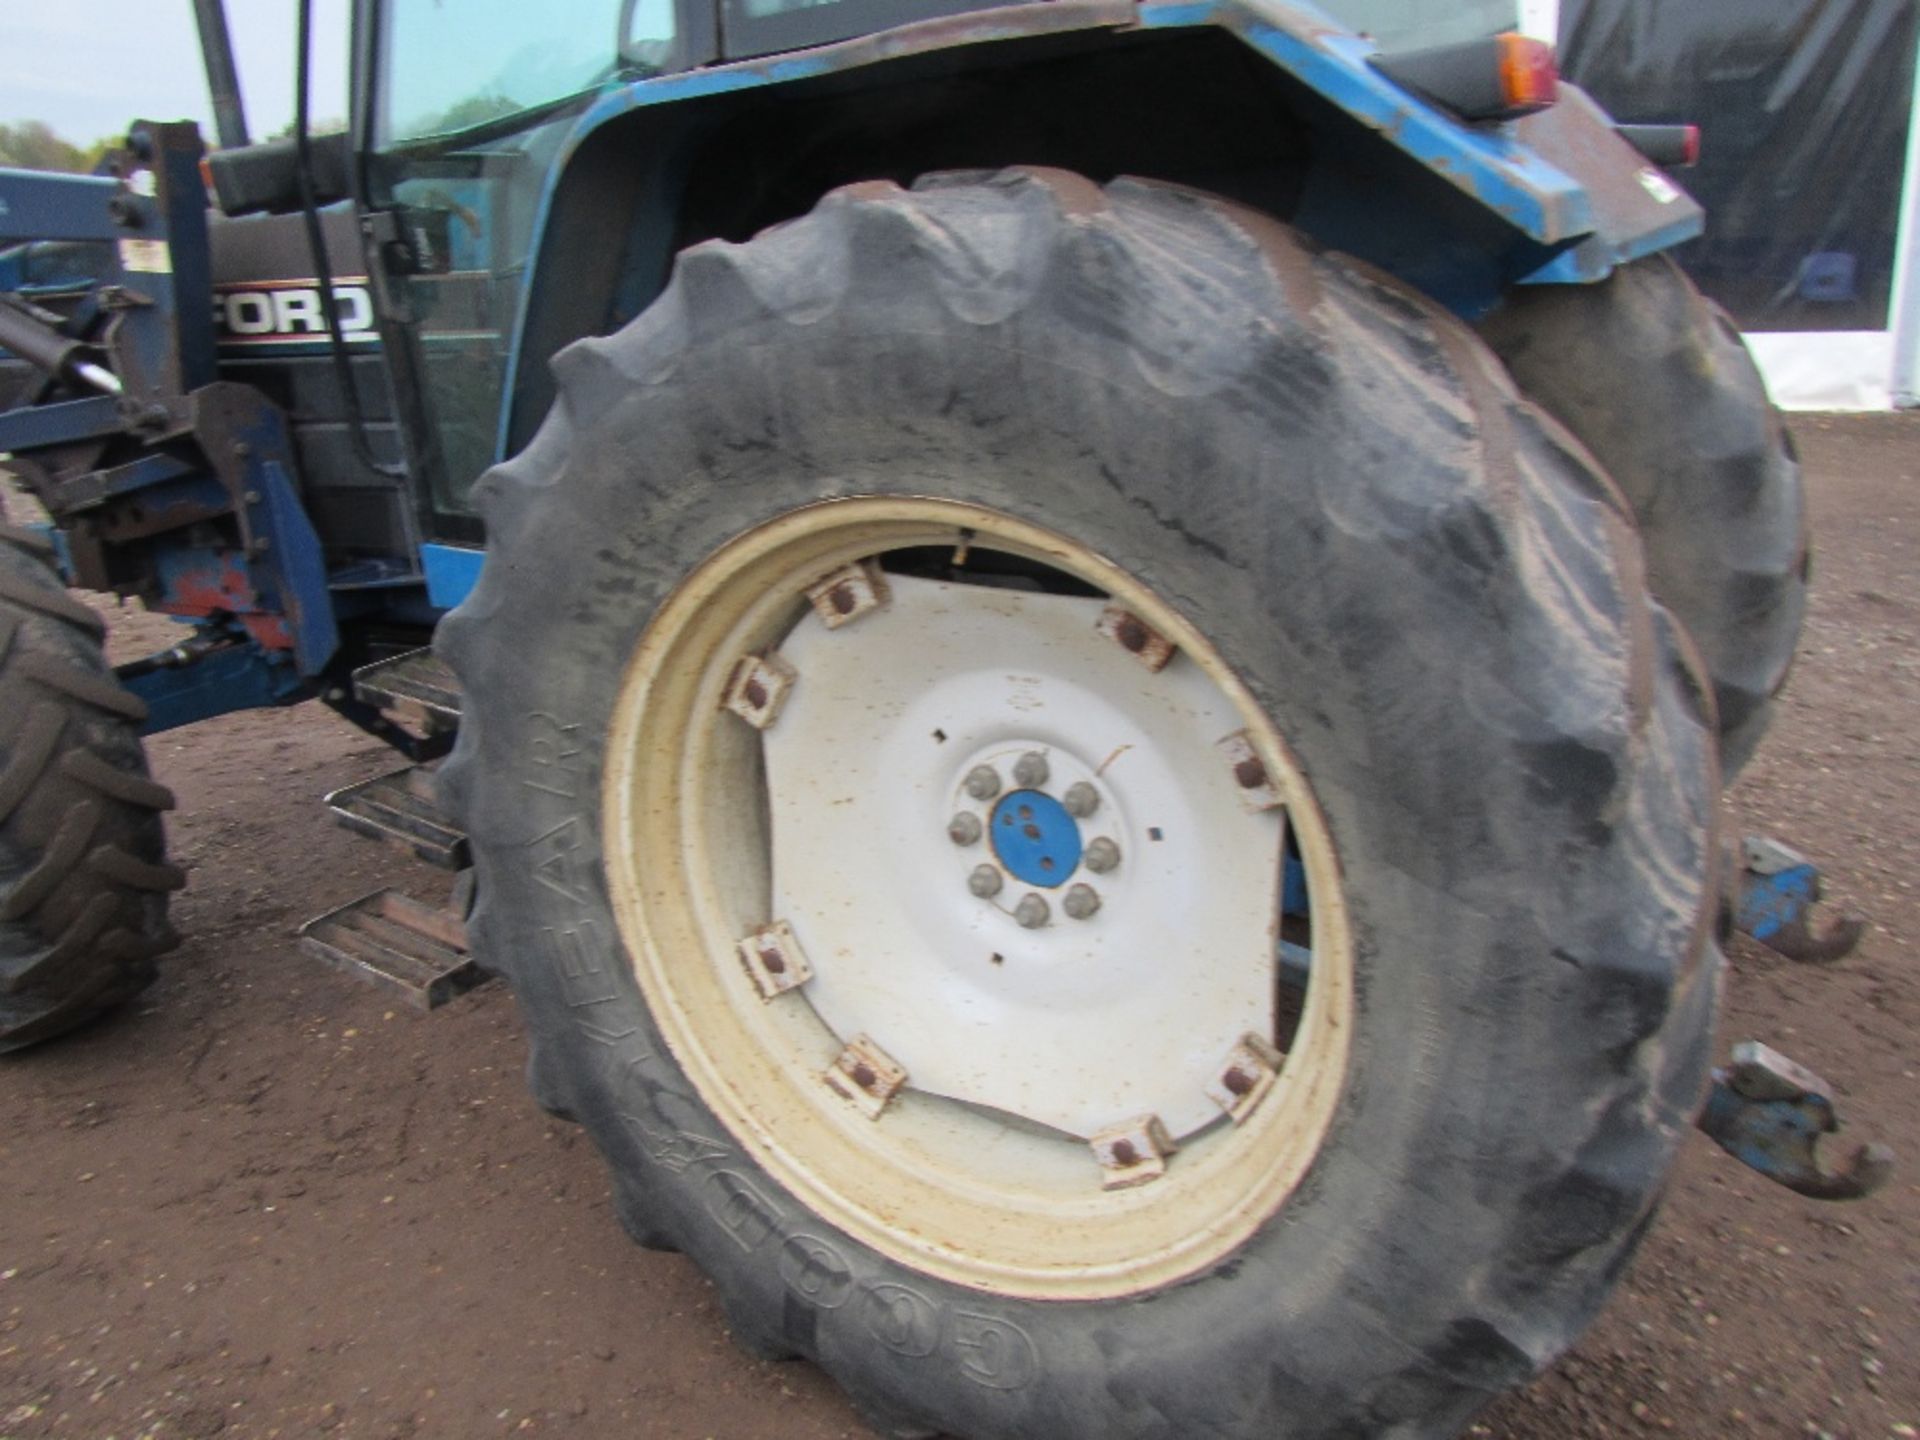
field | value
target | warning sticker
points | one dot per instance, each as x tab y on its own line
147	257
1659	187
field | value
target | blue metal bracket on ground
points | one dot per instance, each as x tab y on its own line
1771	1115
1770	903
1779	888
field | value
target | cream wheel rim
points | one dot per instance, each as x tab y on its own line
1079	1098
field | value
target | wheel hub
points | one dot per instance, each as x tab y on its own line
1080	970
1034	838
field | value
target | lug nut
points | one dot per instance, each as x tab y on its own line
985	881
983	782
1031	912
1101	855
1081	799
964	828
1030	770
1081	901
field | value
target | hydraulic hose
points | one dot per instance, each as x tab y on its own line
316	241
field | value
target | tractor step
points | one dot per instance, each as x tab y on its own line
415	686
399	807
387	938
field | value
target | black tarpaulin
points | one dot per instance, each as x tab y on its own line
1803	107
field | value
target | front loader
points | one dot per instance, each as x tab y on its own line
1084	653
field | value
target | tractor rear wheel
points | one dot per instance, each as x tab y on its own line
1094	815
83	872
1655	381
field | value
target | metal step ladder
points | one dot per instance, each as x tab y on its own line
416	687
386	938
399	807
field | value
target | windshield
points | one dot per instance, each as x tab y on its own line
449	65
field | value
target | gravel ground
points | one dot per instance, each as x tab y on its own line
267	1201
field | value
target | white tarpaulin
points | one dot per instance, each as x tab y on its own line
1826	370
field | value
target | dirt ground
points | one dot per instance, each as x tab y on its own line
269	1201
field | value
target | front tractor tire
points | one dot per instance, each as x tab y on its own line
83	873
908	660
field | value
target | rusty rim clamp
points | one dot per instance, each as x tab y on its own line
1771	1114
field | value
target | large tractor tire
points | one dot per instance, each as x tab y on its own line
83	872
903	660
1656	382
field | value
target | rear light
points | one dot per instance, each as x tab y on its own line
1498	78
1529	74
1672	146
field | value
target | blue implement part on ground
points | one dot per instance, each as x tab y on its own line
1778	889
1770	1114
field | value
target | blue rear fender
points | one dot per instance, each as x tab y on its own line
1462	211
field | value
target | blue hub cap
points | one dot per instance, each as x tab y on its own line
1034	837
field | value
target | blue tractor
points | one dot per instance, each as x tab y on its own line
1085	651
